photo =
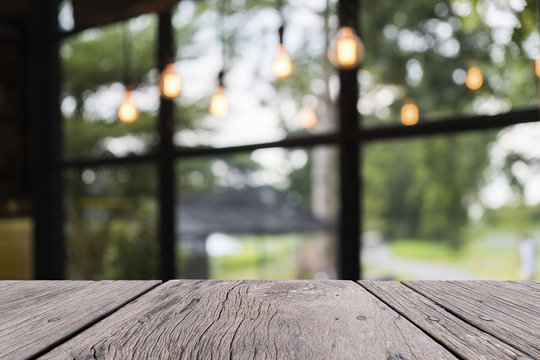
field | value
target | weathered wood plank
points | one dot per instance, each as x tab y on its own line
518	302
491	307
534	285
36	315
253	320
462	338
518	298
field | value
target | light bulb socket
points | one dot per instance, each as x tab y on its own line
129	84
221	75
170	61
281	30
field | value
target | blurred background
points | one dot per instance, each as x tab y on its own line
449	192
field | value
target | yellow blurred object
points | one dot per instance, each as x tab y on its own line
128	112
409	114
537	66
282	66
219	104
308	117
474	78
16	251
170	84
346	50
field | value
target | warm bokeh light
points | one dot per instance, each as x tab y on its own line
128	111
219	104
346	50
308	117
282	66
170	84
409	114
537	66
474	78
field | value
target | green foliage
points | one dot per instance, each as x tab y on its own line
111	227
422	188
96	57
397	32
516	218
133	250
213	173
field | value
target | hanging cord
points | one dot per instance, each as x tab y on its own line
126	40
280	7
223	12
537	17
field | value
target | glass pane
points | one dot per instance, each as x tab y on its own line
261	107
111	223
455	207
433	53
96	64
268	214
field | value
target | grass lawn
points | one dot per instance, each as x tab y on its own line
491	255
488	257
261	257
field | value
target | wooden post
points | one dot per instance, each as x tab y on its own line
166	188
42	91
348	256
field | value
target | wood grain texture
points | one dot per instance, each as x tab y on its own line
462	338
505	310
253	320
36	315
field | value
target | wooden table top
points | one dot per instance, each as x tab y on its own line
227	319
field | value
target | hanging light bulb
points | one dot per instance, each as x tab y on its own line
219	104
170	84
346	49
537	66
409	114
282	66
128	112
474	78
308	117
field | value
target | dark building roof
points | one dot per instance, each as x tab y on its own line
262	210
